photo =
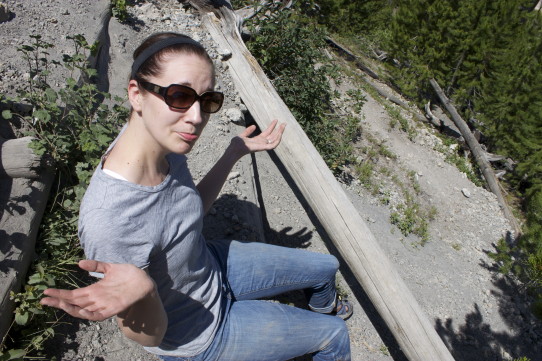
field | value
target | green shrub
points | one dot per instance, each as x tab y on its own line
289	47
74	129
119	9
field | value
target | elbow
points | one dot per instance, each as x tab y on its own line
156	339
146	339
153	341
147	334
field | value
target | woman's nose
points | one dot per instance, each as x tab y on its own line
194	114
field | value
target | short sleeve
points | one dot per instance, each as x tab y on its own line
107	237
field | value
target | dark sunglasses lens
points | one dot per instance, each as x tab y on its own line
181	97
211	102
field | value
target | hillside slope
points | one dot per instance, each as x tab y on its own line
478	313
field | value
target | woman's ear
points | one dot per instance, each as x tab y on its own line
134	95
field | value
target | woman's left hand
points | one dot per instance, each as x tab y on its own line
266	140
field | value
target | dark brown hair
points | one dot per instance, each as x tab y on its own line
152	66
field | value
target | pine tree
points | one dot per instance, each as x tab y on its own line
511	104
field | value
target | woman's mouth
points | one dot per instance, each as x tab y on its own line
188	136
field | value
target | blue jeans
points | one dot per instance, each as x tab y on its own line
267	331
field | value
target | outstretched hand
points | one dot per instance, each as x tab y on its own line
122	286
266	140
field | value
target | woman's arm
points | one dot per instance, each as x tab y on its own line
209	187
125	291
145	322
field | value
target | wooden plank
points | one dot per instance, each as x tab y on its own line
382	283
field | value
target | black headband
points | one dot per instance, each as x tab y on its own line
156	47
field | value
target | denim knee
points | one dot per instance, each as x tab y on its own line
338	346
332	263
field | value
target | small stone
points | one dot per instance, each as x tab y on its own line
233	175
225	54
465	192
235	116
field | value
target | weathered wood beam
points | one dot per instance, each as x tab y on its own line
25	187
18	160
349	233
479	156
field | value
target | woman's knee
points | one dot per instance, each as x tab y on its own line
331	263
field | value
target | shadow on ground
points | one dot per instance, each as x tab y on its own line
475	339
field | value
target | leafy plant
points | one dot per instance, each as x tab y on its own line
70	126
407	218
119	9
289	47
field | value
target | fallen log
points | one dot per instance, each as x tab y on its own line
437	123
347	229
23	193
351	57
348	55
479	156
19	161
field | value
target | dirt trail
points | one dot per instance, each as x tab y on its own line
479	314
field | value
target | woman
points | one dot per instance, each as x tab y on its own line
140	225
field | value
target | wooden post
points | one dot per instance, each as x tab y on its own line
382	283
479	156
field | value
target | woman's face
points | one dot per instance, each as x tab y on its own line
177	130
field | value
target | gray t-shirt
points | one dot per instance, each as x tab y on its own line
159	228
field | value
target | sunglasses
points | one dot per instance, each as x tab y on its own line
183	97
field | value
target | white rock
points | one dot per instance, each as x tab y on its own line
225	54
233	175
465	192
235	116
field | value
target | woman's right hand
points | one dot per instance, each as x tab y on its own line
122	286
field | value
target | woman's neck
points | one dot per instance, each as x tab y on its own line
137	157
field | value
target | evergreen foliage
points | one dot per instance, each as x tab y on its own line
486	55
357	17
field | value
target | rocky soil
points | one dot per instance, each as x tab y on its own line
480	314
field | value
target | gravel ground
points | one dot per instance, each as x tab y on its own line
480	314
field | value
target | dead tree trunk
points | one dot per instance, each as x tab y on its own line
349	233
479	156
